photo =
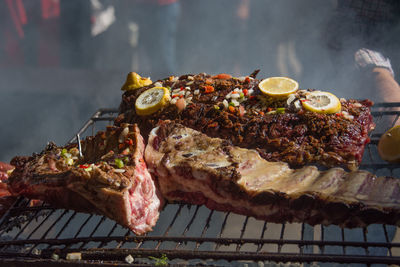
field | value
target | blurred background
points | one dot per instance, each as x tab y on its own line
61	60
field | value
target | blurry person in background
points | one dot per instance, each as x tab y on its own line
158	22
29	33
366	32
75	34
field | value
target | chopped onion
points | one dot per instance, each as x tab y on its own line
158	84
225	103
196	92
119	170
74	256
290	99
129	259
123	134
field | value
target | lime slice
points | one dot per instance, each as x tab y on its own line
278	86
152	100
134	81
389	145
322	102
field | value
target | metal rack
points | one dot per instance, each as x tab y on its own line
194	235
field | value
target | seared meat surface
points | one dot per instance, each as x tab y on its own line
194	168
111	178
278	129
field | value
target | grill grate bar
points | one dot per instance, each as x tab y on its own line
170	225
322	247
281	237
119	255
343	239
121	243
94	230
188	226
259	247
387	238
102	244
365	240
221	241
242	233
222	230
37	227
205	228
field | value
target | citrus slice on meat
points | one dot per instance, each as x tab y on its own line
278	86
152	100
389	145
135	81
322	102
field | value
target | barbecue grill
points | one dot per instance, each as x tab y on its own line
38	235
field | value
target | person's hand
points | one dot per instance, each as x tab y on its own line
386	86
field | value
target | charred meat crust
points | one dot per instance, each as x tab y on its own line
297	137
110	179
348	199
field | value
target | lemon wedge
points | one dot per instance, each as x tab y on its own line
134	81
322	102
278	86
152	100
389	145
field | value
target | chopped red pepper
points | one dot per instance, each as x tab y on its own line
182	88
212	125
247	80
84	166
231	109
245	92
262	113
269	109
208	89
129	141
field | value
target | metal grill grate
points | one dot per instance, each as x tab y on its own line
191	235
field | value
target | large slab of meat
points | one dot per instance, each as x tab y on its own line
110	178
296	136
194	168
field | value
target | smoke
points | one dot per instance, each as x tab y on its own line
44	101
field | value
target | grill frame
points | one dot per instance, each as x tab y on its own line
31	235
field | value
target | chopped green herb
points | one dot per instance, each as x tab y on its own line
162	261
119	163
241	95
216	107
232	104
280	110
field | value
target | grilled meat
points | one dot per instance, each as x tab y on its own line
281	130
194	168
111	178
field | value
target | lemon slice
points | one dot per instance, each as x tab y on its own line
134	81
152	100
322	102
389	145
278	86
